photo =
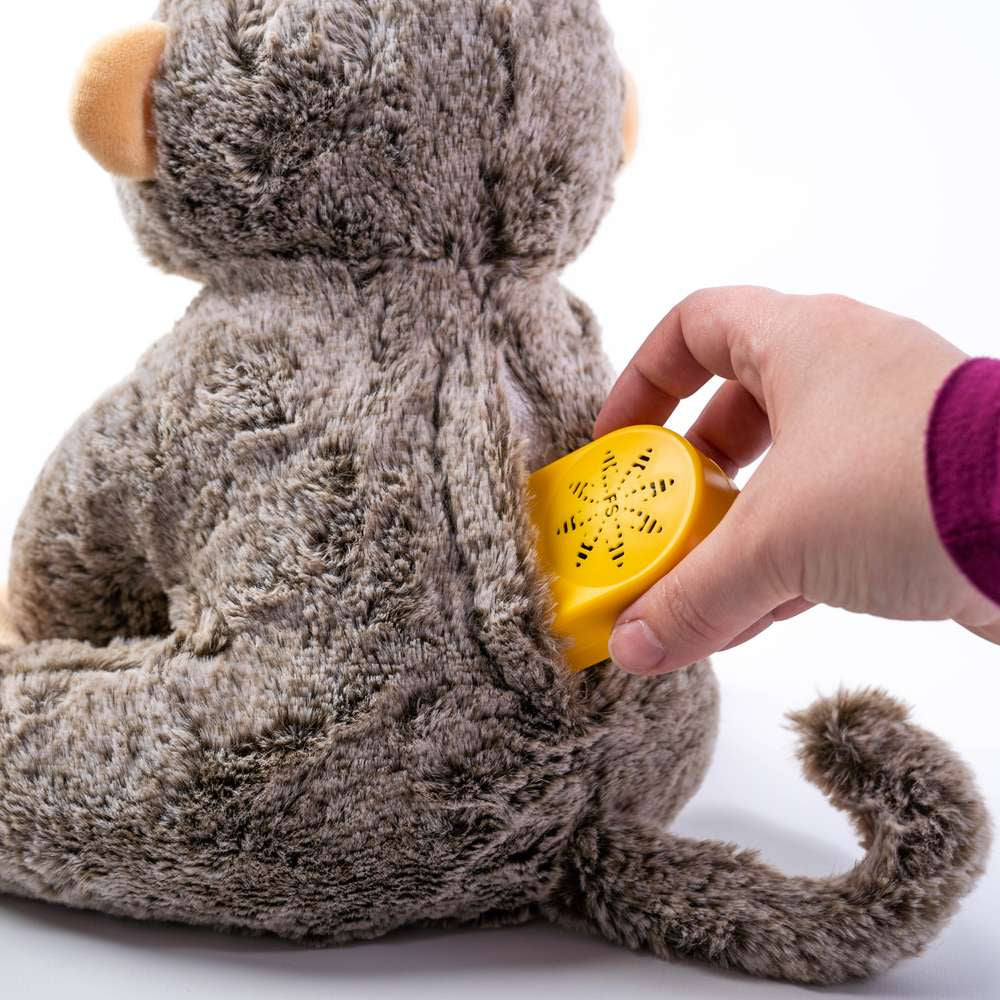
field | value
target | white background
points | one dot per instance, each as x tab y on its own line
849	146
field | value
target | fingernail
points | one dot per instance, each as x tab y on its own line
635	648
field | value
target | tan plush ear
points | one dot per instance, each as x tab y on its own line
631	130
112	102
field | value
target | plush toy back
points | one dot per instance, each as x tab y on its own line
286	569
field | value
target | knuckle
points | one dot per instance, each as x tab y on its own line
775	556
769	545
726	297
702	301
782	574
747	312
754	351
681	617
835	304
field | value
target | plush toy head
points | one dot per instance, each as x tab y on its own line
486	132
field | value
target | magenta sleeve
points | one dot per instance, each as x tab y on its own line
963	470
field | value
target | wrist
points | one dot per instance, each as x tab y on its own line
991	633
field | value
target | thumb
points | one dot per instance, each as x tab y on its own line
721	591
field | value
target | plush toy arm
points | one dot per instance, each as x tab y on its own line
77	568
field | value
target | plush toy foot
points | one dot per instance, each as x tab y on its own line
9	636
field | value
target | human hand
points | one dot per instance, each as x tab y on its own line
838	513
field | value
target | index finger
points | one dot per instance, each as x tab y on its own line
697	340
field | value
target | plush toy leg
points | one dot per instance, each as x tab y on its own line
922	822
116	791
9	637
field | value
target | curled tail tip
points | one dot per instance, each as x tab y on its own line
862	750
850	709
861	738
834	732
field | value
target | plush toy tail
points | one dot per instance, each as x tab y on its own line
922	822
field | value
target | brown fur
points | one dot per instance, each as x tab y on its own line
288	666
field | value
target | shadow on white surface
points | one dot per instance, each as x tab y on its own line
48	951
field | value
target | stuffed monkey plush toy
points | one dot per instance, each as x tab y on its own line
277	655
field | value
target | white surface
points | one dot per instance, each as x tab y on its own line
847	147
